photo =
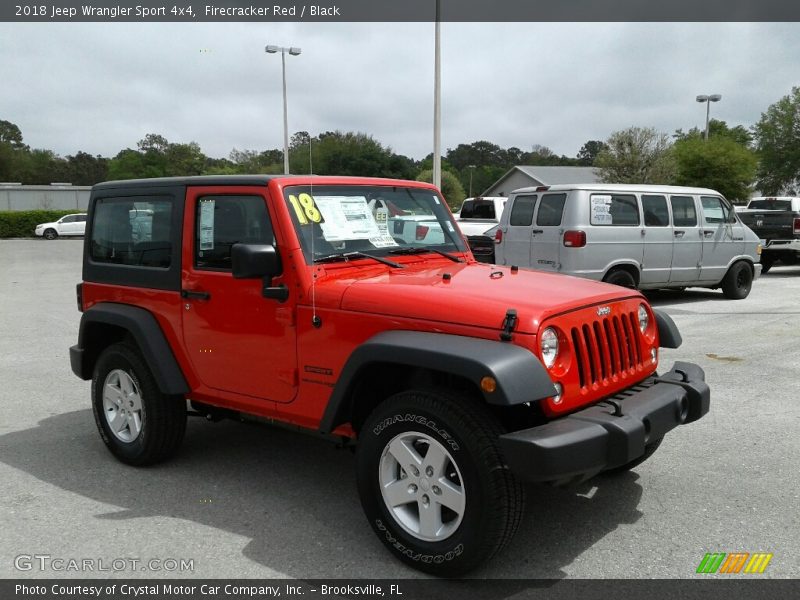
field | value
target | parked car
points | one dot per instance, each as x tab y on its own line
477	216
284	299
66	225
776	220
638	236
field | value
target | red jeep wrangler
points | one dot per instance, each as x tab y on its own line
353	307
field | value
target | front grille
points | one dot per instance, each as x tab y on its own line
607	348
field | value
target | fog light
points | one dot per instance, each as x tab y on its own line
653	355
559	391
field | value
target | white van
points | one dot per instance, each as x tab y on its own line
643	236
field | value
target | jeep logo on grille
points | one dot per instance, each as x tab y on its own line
603	311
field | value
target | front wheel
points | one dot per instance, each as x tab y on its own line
50	234
433	482
738	281
138	424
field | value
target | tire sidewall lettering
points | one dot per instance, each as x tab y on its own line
417	420
417	556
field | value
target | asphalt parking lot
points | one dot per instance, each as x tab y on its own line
245	501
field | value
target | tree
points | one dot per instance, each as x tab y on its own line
719	163
716	128
10	134
451	187
778	143
636	155
85	169
589	151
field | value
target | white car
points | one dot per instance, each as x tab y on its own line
66	225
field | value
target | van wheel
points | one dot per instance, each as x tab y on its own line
138	424
738	281
433	483
620	277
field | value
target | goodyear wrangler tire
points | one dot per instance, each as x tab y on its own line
433	482
139	424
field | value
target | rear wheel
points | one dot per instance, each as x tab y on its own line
620	277
738	281
50	234
433	482
138	423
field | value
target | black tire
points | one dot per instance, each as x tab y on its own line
50	234
649	450
162	418
493	500
738	281
621	277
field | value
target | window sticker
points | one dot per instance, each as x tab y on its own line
601	210
305	209
207	224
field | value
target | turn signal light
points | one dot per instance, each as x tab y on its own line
575	239
498	236
422	231
796	226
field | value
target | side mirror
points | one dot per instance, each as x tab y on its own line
255	260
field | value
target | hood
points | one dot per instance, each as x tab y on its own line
476	294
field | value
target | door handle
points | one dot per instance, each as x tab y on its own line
195	295
678	233
535	231
708	233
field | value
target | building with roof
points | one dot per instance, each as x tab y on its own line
522	176
56	196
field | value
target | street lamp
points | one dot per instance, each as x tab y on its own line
294	52
471	169
708	100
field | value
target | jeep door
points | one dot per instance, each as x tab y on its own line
546	233
658	240
516	245
238	341
687	251
723	237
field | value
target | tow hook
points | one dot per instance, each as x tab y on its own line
616	405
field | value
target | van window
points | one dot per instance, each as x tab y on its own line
132	231
614	209
684	213
522	211
550	209
222	221
715	210
478	209
655	210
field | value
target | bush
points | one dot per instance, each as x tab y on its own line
22	223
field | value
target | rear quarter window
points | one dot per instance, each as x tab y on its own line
132	231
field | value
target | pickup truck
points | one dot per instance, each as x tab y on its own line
477	215
776	220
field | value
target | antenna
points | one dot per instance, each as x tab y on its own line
315	320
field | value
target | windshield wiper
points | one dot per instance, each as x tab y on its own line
422	249
356	254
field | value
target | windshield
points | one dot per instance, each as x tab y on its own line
377	220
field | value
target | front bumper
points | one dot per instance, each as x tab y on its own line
610	433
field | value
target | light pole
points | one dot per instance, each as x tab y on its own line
708	100
471	170
294	52
437	109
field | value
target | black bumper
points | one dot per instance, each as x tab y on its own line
595	439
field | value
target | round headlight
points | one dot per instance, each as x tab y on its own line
549	346
644	319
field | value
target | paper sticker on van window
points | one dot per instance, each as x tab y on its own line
601	210
206	225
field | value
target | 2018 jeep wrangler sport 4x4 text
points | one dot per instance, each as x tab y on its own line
292	299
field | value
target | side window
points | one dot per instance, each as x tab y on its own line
522	211
715	210
132	231
684	213
222	221
81	218
614	209
68	219
550	209
655	210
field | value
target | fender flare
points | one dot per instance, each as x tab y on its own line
520	375
668	334
147	334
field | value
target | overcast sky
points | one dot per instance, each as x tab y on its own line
101	87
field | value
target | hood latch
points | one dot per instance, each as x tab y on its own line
509	323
